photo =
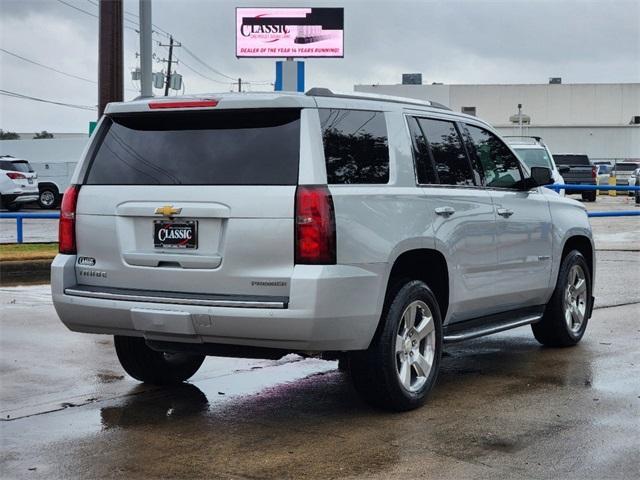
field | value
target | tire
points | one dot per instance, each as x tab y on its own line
150	366
589	196
566	315
48	198
376	372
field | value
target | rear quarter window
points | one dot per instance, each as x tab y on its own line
225	147
356	147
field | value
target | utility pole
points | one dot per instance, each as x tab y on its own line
170	62
146	89
239	85
166	85
110	56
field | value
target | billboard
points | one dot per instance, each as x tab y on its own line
289	32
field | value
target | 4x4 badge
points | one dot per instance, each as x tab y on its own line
168	211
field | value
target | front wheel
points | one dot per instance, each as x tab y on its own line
150	366
401	365
566	315
48	198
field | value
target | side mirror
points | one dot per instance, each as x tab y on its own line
541	176
563	169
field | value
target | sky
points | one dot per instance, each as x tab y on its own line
449	41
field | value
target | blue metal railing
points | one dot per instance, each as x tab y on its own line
584	188
557	187
20	216
589	188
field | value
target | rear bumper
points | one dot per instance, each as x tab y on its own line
20	198
330	308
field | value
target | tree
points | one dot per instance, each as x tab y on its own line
8	135
42	134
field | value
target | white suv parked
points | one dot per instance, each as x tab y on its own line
368	229
18	184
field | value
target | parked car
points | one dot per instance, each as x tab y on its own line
534	152
623	172
580	172
604	166
634	180
362	228
18	184
603	173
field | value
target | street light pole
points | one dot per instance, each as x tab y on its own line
146	78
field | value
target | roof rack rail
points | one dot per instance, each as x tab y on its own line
325	92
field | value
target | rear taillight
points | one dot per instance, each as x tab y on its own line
67	226
594	172
15	176
315	234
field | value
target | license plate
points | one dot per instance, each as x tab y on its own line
168	234
31	180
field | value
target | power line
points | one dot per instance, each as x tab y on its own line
207	65
47	67
36	99
135	22
54	69
91	14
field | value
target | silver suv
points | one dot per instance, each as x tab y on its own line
367	229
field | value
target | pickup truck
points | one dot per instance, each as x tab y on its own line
578	170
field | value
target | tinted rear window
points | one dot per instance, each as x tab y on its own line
355	146
241	147
626	167
572	160
15	166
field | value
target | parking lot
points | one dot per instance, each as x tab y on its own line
504	406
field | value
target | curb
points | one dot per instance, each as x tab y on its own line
16	271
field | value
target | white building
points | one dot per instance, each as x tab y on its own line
601	120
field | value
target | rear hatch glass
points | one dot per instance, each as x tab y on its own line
626	167
231	147
578	160
193	202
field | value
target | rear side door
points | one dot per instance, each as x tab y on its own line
464	221
523	221
191	202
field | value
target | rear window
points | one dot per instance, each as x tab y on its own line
572	160
227	147
355	146
626	167
15	166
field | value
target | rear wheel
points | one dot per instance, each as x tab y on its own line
589	196
401	365
566	315
150	366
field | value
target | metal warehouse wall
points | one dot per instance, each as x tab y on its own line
546	104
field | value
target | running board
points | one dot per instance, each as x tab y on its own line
479	327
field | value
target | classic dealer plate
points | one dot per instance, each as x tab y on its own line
168	234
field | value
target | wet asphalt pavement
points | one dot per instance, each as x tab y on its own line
504	407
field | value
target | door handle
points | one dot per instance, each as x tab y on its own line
505	212
445	211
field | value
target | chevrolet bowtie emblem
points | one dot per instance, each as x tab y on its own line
168	211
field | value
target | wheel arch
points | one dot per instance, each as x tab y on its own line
426	264
48	183
584	245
